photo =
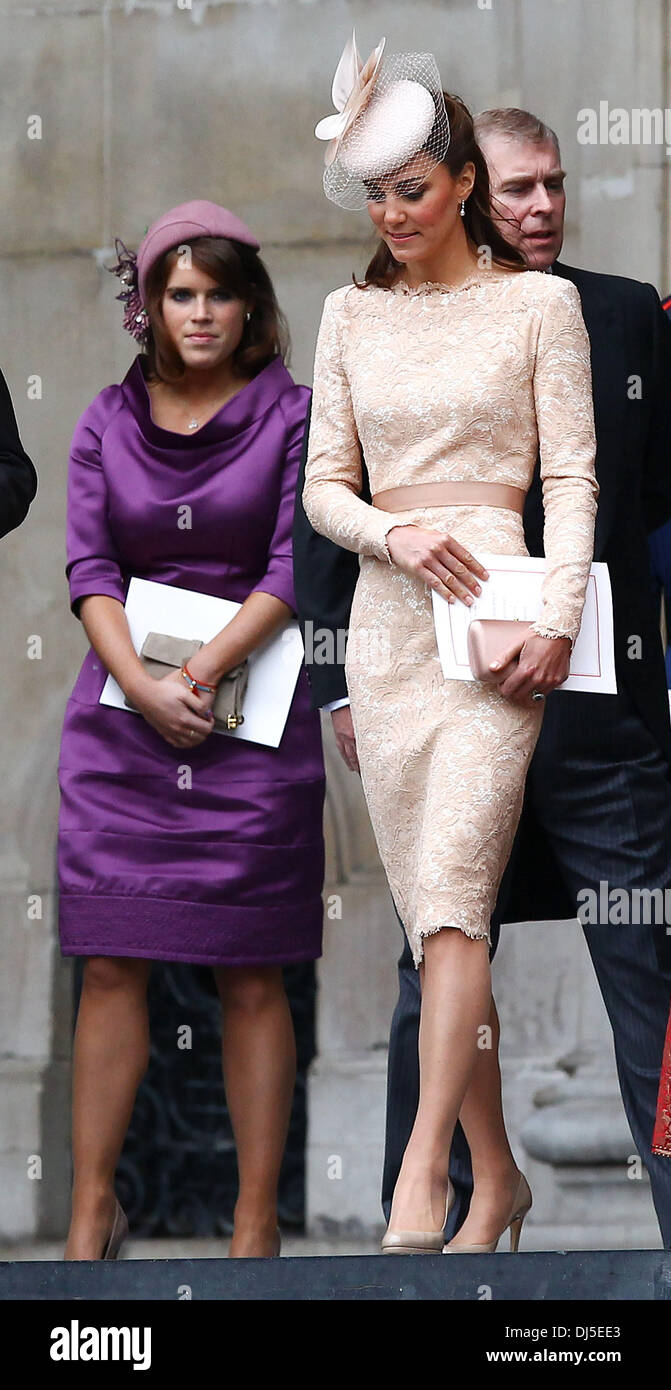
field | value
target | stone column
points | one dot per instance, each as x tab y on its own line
578	1134
357	992
35	1008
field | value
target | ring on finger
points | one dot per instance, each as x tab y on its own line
537	695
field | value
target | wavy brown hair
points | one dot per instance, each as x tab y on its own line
480	227
238	269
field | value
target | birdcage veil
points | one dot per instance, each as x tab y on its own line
390	110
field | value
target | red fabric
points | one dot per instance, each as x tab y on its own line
661	1139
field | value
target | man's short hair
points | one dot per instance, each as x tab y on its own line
514	124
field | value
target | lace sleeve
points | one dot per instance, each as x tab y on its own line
565	419
333	468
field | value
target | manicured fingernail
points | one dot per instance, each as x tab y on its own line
478	590
468	599
494	665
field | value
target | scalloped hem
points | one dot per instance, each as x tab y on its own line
542	631
418	950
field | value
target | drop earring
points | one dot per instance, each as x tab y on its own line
463	207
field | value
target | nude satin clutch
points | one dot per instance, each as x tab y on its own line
487	639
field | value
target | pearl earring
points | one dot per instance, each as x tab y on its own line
248	315
463	207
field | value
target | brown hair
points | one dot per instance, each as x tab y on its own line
514	124
479	224
239	269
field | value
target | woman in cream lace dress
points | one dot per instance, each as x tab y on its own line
443	370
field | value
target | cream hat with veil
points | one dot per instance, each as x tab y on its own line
389	110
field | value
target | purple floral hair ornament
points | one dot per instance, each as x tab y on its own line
135	319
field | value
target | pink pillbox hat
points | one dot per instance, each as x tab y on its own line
184	223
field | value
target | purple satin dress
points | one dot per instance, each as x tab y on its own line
229	871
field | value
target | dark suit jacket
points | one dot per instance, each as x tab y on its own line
630	339
660	558
18	479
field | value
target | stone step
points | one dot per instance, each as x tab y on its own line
571	1276
578	1236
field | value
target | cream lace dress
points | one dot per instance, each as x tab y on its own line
437	384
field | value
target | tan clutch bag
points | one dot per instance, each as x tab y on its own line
487	639
162	652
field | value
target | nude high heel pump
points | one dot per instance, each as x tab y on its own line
521	1205
117	1234
418	1242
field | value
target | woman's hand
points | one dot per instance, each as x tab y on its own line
439	560
543	665
180	715
343	729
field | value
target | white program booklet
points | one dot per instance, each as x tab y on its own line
513	590
273	667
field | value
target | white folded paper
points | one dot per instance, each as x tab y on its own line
513	590
273	667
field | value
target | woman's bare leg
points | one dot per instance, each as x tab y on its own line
495	1173
111	1053
259	1066
456	1000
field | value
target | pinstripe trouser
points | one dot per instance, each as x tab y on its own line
599	785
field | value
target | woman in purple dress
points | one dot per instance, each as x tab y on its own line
185	474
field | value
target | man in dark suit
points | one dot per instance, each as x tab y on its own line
660	557
18	479
598	798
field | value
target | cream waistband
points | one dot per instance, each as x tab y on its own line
398	499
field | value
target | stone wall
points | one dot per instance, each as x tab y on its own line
139	106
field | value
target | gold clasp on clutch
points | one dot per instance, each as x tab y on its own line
232	720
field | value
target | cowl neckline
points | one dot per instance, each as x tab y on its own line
234	416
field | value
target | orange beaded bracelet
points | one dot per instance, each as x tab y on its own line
193	684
